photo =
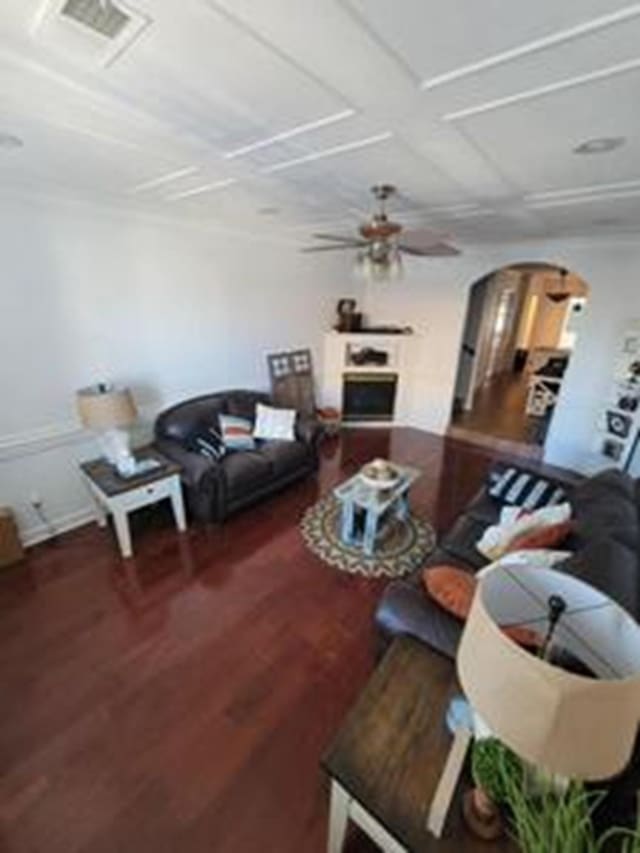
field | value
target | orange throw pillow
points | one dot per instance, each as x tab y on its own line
544	537
451	588
526	637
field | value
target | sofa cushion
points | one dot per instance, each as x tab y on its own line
242	404
551	536
207	441
484	508
604	507
611	480
273	424
524	488
405	609
236	433
611	567
285	457
181	420
461	541
244	471
451	588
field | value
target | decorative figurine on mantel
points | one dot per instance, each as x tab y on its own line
349	320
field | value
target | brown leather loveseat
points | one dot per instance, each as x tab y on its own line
214	489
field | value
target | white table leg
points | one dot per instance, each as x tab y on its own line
101	515
177	504
347	521
121	522
370	529
338	817
402	507
98	507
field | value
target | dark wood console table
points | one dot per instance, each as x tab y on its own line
388	757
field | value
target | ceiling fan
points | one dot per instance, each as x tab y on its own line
381	241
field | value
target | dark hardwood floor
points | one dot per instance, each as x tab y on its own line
180	701
499	412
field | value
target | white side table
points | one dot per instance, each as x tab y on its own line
119	496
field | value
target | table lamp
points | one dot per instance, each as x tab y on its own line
564	723
109	410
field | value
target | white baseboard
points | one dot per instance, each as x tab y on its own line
41	532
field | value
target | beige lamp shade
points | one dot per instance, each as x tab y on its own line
572	725
103	407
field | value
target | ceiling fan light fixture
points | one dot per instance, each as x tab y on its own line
381	242
396	269
379	262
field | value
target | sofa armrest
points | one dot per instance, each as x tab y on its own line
308	429
195	468
407	609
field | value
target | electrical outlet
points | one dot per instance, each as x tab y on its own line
35	499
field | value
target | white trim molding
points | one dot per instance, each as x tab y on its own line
41	439
62	524
548	89
551	40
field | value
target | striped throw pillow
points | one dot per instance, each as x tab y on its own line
522	488
207	441
237	433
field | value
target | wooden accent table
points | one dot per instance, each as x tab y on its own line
356	495
388	757
121	495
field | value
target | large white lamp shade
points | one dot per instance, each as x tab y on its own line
572	725
109	410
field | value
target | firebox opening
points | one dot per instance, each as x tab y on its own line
369	396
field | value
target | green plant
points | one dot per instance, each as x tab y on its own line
555	820
492	764
546	817
629	839
552	820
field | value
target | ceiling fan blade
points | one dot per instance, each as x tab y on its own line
435	250
342	247
339	239
422	236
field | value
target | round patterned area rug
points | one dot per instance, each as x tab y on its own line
402	547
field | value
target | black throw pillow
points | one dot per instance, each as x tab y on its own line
518	487
207	441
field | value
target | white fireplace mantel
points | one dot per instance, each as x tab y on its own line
403	353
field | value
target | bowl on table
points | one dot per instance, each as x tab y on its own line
380	474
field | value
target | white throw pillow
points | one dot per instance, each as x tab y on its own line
540	558
274	424
513	523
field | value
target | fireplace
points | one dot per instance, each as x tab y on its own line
368	396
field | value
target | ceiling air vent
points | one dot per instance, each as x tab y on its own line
101	16
94	32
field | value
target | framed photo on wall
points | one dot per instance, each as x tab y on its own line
618	423
612	449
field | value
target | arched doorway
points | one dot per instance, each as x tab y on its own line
522	324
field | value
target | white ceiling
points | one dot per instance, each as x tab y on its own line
221	108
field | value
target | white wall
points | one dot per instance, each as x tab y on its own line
433	297
171	311
175	311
